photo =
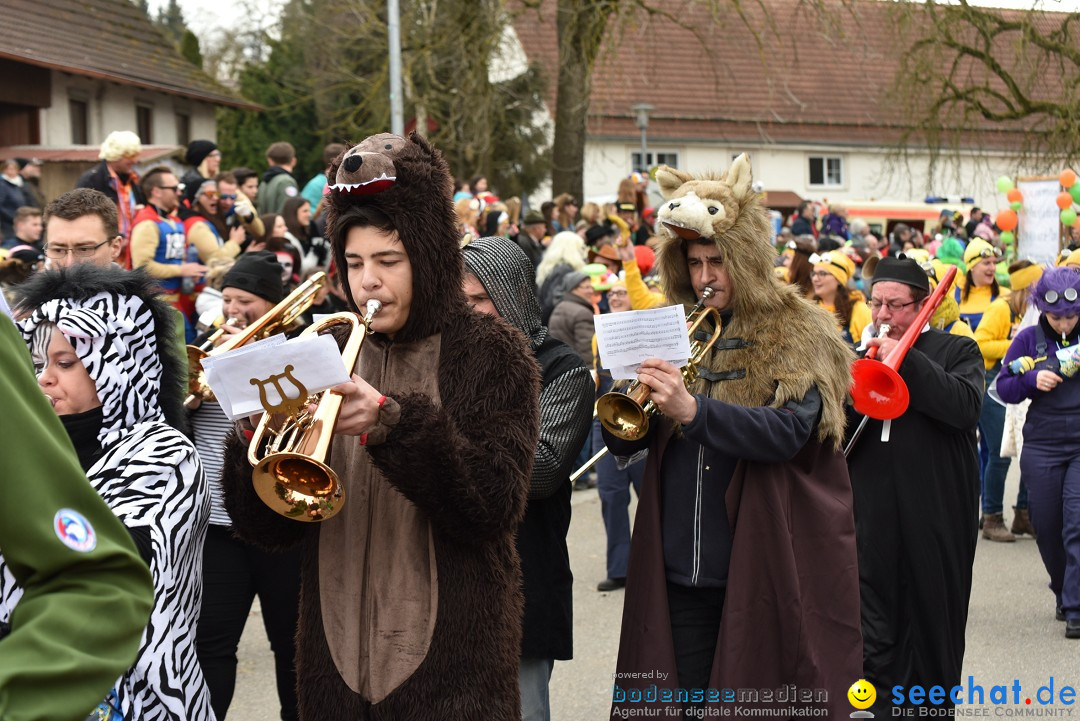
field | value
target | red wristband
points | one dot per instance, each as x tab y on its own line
382	399
363	439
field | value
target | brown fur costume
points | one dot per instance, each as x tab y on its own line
427	618
791	610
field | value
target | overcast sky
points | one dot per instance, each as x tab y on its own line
204	16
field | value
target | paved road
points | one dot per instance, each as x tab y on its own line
1011	631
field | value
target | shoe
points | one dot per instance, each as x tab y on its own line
1072	628
994	529
1059	613
611	584
1022	522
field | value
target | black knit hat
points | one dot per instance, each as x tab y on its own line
259	273
902	270
197	150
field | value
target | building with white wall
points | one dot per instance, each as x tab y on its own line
72	72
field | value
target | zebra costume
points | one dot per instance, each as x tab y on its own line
148	473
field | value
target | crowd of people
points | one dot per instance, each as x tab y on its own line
772	516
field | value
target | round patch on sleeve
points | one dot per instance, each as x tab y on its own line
74	531
290	191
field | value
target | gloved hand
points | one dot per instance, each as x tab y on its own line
624	229
1021	365
243	208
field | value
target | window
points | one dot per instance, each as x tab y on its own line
826	171
144	122
183	128
78	112
651	160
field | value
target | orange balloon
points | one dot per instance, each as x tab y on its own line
1067	178
1064	200
1007	220
1015	196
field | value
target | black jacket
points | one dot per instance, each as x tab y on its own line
98	178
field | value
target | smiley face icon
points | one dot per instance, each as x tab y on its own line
862	694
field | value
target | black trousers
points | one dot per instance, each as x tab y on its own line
695	626
233	573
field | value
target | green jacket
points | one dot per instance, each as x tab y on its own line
78	625
276	187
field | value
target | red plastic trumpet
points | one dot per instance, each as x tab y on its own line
877	389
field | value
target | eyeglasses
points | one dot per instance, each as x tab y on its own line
228	196
211	193
990	253
617	293
1052	296
173	188
893	306
81	251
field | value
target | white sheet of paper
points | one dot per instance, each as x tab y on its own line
626	339
315	360
220	391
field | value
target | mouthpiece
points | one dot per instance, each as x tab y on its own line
707	292
373	307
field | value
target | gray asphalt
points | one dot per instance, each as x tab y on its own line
1011	633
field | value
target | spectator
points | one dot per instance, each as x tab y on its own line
235	210
205	160
278	184
311	249
248	181
313	191
565	253
974	219
115	177
27	228
835	221
804	220
532	236
566	210
81	227
11	196
30	170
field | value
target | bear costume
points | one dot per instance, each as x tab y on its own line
411	595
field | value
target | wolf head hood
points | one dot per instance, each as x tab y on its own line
120	330
508	276
779	345
409	182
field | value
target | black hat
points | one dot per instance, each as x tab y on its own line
197	150
902	270
259	273
597	233
23	162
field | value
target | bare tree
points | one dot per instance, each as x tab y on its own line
971	68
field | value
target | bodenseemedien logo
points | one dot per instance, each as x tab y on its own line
862	695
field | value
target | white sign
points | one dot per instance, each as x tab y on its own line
272	373
1038	235
625	339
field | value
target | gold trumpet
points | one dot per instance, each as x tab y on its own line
289	450
626	414
281	318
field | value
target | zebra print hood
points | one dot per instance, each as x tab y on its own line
123	334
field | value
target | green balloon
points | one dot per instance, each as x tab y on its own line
1017	205
1075	191
1007	237
1068	217
1004	184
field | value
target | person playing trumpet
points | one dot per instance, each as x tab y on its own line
411	594
916	483
744	536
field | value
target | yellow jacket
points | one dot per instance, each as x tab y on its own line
641	296
860	317
994	333
977	302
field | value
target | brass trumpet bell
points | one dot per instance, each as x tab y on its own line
298	486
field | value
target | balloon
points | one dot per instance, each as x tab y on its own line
1068	217
1016	205
1004	184
1006	220
1067	178
1007	237
1075	192
1015	196
1064	200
